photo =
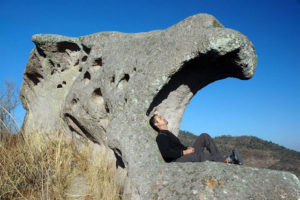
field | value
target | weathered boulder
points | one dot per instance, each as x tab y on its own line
211	180
105	87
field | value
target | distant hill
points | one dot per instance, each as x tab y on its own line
256	152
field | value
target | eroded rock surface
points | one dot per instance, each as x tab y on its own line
211	180
105	86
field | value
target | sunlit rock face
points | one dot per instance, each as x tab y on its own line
106	86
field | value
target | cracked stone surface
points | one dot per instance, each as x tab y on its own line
106	86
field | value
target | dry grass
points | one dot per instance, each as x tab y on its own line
34	167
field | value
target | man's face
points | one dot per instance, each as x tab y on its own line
160	121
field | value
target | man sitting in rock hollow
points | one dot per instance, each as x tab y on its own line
172	150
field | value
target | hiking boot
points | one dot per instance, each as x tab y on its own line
235	158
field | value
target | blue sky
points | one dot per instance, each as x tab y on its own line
266	106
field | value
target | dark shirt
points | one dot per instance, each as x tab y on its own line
169	145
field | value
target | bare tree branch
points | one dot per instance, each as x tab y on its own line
9	100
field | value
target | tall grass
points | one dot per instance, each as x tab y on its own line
33	166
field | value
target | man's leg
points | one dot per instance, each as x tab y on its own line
192	157
204	140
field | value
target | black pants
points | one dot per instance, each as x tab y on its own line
203	141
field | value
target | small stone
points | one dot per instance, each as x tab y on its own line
195	192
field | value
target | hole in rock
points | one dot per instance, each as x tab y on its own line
125	77
112	79
80	69
134	69
59	86
97	92
74	101
64	82
123	81
193	75
77	63
75	126
119	160
58	65
86	49
63	46
97	97
34	77
87	75
98	62
84	58
40	52
51	63
106	107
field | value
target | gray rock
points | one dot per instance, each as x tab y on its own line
78	188
211	180
106	86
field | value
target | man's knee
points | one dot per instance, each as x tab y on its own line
204	135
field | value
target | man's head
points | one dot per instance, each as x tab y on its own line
158	122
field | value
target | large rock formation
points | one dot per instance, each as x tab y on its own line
105	86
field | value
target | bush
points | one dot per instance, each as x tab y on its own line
35	167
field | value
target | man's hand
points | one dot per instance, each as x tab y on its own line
188	151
